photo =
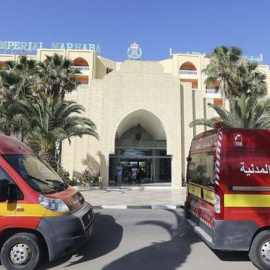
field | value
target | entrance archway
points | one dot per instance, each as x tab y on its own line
141	149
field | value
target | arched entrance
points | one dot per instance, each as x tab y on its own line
141	148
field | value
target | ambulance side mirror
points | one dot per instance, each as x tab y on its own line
9	191
4	190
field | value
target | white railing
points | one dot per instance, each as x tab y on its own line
84	70
80	67
189	72
212	92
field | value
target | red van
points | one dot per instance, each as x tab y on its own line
39	212
228	191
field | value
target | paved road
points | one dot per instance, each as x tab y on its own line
144	240
135	196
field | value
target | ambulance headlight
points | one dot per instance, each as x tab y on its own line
55	205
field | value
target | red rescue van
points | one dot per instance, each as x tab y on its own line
228	191
39	212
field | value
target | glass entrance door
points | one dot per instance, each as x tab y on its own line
141	166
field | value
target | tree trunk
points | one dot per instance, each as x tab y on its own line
48	157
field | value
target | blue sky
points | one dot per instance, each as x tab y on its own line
156	25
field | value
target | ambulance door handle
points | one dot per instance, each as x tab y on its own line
20	209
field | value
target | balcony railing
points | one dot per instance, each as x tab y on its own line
193	72
188	74
83	69
213	92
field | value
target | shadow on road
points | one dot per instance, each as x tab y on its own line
106	237
166	255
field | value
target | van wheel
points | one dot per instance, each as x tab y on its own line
259	252
21	251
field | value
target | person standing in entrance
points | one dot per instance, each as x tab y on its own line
134	175
119	173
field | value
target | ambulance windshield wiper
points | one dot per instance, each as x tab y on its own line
58	186
38	180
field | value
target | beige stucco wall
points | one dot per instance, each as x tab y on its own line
138	85
169	66
101	66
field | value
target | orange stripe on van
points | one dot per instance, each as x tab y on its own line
7	209
28	210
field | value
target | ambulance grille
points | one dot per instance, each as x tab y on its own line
87	218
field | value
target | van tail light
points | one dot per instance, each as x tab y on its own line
217	204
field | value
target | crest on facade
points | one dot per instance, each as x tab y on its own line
134	52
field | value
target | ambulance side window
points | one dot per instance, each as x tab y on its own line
201	168
4	176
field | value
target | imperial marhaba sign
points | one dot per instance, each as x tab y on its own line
33	46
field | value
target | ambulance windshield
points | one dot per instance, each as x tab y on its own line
36	173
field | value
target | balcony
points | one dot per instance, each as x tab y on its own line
83	69
188	74
213	93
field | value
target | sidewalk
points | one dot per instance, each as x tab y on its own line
136	197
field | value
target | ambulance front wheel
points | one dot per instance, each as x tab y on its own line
21	251
259	252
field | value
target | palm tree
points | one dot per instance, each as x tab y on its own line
249	80
16	80
53	78
8	92
234	75
56	77
223	63
46	122
246	112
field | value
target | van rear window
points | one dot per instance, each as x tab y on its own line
201	169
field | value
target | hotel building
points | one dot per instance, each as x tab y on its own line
142	110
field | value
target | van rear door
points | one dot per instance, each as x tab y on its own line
201	186
201	180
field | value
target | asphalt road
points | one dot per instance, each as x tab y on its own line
145	240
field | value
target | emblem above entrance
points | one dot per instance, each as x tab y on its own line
134	52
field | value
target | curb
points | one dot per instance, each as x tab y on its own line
136	187
154	207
